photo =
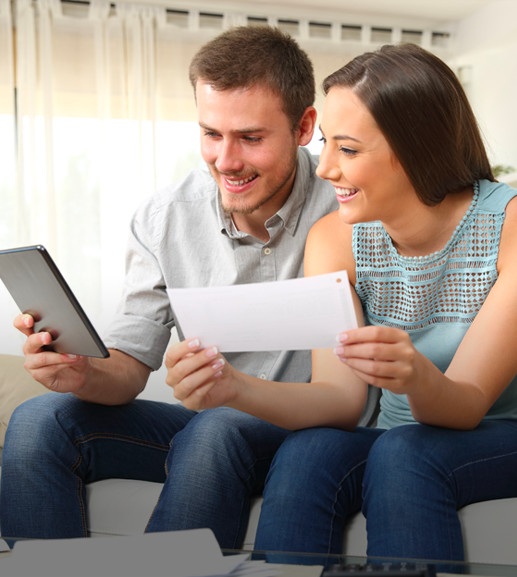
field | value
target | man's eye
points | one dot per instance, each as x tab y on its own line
252	139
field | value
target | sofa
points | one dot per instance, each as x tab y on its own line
122	507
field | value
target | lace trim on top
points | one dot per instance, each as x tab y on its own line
446	286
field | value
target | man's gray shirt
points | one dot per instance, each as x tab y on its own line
180	237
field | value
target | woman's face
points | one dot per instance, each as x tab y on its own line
358	161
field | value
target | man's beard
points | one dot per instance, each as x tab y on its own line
247	208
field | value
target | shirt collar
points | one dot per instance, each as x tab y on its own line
288	214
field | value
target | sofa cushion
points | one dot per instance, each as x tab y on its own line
16	386
123	507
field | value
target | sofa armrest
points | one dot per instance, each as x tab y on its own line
16	386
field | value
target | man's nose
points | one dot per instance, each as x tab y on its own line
229	158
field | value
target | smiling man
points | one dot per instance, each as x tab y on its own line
245	219
254	165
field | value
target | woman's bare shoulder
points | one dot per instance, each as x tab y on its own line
328	226
508	243
329	246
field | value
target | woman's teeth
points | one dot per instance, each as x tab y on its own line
344	192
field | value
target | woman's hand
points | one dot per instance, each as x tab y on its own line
200	377
382	356
58	372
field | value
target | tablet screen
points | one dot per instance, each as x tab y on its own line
39	289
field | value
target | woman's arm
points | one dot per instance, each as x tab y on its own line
335	397
482	367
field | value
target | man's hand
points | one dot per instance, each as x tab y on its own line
56	371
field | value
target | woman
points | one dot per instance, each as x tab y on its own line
427	237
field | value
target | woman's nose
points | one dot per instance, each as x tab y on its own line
326	169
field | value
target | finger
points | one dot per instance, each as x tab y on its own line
371	333
24	323
369	351
35	343
36	356
179	350
192	363
196	384
373	368
48	363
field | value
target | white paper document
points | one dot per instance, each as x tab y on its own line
193	553
295	314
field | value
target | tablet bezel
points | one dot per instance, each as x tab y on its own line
39	289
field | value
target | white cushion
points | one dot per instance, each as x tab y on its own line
123	507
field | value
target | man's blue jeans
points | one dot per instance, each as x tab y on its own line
216	461
409	481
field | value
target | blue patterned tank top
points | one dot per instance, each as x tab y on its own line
434	298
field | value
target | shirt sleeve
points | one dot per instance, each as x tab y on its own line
143	321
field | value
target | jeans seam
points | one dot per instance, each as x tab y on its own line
484	460
127	438
79	492
75	466
252	467
339	490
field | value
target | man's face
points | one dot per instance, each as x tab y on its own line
249	147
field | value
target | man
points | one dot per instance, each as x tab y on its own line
244	220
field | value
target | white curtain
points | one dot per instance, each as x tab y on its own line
7	123
96	113
9	205
103	116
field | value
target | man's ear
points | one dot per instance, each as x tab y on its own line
307	126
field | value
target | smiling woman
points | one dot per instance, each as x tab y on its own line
428	245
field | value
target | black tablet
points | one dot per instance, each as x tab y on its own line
39	289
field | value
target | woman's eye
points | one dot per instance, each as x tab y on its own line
348	151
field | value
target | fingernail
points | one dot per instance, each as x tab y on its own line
342	337
218	364
339	351
211	352
193	344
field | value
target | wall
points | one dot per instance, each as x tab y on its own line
485	53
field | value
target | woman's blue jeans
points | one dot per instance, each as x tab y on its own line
409	481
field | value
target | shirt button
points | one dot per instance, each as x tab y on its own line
263	376
267	250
